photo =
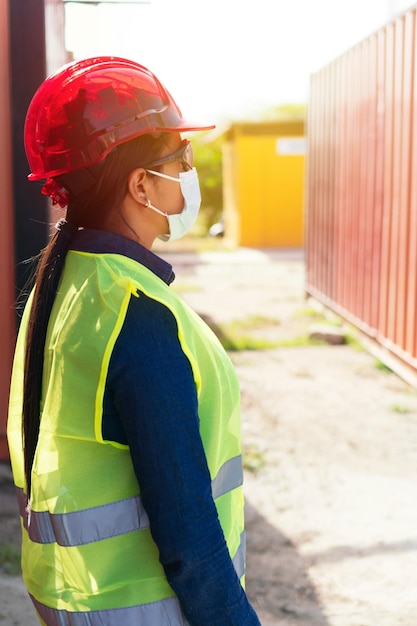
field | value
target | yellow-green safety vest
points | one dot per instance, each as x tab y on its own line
88	557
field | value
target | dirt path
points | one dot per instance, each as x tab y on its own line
332	512
331	450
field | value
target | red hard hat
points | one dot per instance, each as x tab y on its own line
88	107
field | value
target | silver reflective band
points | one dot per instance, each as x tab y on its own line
229	476
239	560
165	612
86	526
108	520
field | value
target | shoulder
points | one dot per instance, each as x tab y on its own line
149	333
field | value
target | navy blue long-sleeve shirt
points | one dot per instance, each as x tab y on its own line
150	404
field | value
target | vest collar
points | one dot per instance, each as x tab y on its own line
105	242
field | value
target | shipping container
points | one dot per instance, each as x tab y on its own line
361	194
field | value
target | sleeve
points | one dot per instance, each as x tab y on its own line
153	391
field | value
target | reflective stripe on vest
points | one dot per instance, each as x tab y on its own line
165	611
229	476
108	520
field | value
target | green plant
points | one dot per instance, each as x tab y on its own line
311	313
208	161
353	341
302	340
236	343
285	111
258	321
400	408
381	366
253	459
319	316
234	336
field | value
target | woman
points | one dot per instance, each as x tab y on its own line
130	478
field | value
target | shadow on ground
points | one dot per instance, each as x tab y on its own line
277	581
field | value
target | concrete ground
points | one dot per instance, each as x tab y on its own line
330	441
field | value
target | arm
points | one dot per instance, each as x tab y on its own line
155	396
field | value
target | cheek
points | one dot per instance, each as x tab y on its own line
174	201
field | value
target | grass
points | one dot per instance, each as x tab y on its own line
300	341
310	313
235	336
236	343
382	367
9	559
257	321
402	409
352	340
253	459
313	314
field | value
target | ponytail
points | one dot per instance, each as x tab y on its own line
47	280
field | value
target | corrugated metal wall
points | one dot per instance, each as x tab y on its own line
7	299
361	196
24	216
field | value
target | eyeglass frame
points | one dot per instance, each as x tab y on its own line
178	155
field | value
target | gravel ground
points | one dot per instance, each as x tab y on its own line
330	445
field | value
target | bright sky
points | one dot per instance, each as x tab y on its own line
227	59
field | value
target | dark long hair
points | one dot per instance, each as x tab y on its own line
89	206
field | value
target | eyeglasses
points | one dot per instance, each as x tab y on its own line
184	154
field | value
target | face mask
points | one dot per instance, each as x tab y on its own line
180	223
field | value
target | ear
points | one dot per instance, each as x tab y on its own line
136	185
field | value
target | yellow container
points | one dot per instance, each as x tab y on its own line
263	184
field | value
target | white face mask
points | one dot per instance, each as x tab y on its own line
180	223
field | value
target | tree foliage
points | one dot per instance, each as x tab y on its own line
208	161
284	111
